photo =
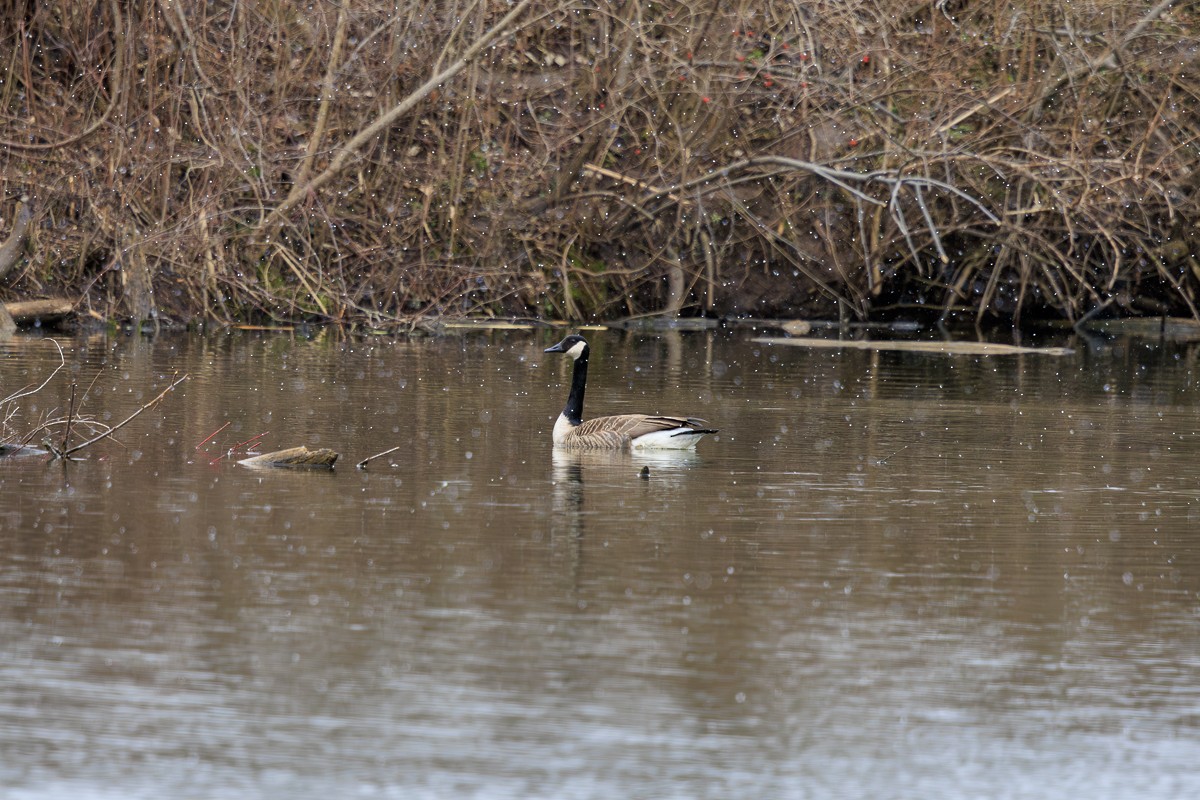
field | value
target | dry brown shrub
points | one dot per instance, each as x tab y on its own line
604	158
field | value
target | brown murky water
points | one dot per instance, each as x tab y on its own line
891	576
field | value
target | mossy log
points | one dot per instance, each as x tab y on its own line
294	457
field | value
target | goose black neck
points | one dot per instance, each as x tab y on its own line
574	410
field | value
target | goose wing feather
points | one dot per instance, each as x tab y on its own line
621	429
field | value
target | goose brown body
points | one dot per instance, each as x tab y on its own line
620	431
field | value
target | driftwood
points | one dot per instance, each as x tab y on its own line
943	348
29	311
321	458
1174	328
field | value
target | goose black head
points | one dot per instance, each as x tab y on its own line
574	346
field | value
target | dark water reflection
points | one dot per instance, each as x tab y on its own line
891	576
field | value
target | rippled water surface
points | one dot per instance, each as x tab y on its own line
890	576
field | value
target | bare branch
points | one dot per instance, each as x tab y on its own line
363	464
127	420
62	363
372	131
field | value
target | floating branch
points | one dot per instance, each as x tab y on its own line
943	348
363	464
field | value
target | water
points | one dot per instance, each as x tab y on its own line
890	576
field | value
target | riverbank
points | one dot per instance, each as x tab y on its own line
194	162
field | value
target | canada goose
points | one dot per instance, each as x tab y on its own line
622	430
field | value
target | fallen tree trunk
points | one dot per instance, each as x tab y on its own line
27	312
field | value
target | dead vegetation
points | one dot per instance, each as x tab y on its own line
383	163
54	433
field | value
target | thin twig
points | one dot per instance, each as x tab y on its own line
363	464
70	414
232	451
253	439
328	90
19	395
617	176
115	91
127	420
209	438
886	459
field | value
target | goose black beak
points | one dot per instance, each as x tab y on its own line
557	348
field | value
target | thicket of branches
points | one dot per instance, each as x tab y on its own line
597	158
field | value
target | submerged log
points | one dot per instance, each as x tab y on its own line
321	458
